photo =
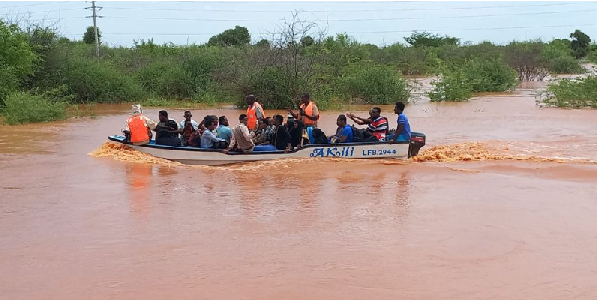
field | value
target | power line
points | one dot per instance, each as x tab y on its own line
356	20
364	32
35	4
345	11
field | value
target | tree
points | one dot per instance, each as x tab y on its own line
580	44
231	37
307	41
426	39
263	43
17	59
89	36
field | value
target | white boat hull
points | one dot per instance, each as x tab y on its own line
357	151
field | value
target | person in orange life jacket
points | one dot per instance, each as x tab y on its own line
138	127
254	112
377	124
403	129
308	112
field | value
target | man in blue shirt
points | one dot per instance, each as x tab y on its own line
223	131
344	132
403	128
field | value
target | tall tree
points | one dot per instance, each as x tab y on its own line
580	44
231	37
88	36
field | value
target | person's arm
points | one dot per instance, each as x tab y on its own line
231	144
295	115
259	113
246	133
149	123
288	139
399	129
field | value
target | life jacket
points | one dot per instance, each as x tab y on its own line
308	110
138	128
251	112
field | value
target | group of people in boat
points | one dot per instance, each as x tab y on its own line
255	129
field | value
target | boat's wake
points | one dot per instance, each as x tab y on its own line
460	152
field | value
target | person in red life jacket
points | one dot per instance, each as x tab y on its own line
377	124
308	113
254	112
138	127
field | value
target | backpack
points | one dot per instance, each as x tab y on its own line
362	135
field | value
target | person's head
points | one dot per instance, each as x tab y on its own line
305	98
136	109
214	119
163	116
375	112
244	119
278	120
223	121
269	121
399	108
263	124
250	99
341	121
187	115
209	124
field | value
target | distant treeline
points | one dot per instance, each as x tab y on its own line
37	63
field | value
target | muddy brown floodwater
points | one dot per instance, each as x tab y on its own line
502	205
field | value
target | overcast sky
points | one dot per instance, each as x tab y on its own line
378	23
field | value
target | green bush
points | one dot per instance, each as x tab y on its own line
22	107
166	78
269	86
97	81
565	65
489	75
453	85
581	92
371	83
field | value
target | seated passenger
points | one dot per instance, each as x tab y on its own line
282	140
265	133
242	138
223	131
297	133
403	129
319	137
344	132
209	139
377	124
137	129
167	130
188	126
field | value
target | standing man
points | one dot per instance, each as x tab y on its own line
403	129
255	112
138	127
308	113
242	138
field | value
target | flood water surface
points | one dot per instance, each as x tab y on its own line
501	204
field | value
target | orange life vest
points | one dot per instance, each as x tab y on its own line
138	128
251	112
308	110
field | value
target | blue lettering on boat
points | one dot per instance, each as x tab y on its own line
333	152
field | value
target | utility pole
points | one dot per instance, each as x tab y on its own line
94	16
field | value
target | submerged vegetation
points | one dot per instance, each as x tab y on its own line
576	93
46	73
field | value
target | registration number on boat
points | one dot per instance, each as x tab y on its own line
369	152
